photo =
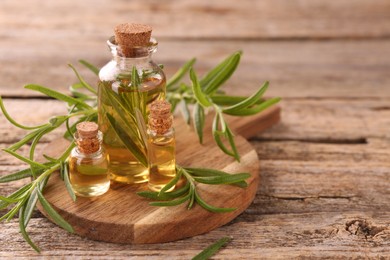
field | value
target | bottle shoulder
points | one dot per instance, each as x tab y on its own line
161	139
146	69
100	154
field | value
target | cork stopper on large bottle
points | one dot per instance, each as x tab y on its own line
87	137
129	36
160	117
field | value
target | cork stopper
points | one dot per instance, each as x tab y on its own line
160	117
131	35
87	129
87	137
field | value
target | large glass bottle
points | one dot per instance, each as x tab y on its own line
128	83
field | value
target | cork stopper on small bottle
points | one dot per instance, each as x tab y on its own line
160	117
87	141
131	35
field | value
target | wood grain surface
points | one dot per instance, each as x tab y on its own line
325	169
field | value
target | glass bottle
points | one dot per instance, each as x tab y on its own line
120	95
88	162
161	146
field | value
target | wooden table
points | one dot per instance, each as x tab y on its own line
325	169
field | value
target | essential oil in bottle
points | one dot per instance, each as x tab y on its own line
88	162
161	146
119	97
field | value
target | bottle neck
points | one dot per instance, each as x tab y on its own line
137	55
127	63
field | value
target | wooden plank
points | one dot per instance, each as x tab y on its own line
197	18
316	69
332	235
332	121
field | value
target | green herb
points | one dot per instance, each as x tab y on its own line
204	94
212	249
189	193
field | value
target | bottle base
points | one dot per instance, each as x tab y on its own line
91	190
129	178
158	187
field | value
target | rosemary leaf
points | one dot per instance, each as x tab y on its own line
205	172
185	111
22	228
82	81
212	249
165	196
220	74
90	67
65	171
29	207
57	95
53	214
14	210
25	173
26	160
225	100
217	136
199	95
211	208
171	202
8	200
230	137
227	179
248	101
16	195
192	198
37	139
199	119
172	182
135	80
141	126
253	110
127	141
123	110
27	138
12	121
73	89
50	159
174	80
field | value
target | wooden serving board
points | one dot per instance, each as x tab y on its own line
121	216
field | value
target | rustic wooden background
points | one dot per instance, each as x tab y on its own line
325	169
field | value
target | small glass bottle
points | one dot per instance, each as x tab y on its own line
88	162
119	98
161	146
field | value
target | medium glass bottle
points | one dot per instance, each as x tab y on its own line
129	82
161	146
88	162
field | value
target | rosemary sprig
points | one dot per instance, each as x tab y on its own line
189	193
204	94
212	249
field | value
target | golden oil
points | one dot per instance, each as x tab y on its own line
161	146
124	167
129	82
88	162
